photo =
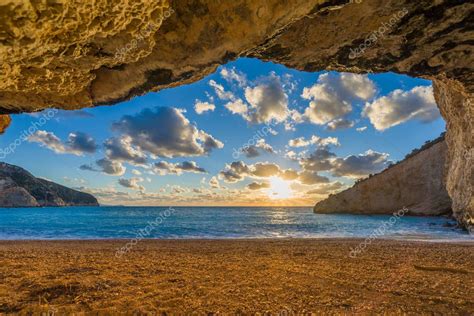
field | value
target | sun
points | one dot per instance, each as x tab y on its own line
279	189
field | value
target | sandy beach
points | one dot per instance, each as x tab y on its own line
236	276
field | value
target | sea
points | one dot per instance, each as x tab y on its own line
119	222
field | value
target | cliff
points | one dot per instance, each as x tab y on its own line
19	188
71	55
415	183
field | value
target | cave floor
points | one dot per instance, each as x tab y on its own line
283	277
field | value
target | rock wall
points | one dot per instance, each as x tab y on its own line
416	183
45	48
19	188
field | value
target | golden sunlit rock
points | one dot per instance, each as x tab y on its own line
5	121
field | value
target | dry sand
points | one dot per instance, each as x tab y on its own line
236	276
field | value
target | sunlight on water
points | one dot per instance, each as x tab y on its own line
205	222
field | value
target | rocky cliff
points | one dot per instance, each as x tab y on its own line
19	188
71	55
416	183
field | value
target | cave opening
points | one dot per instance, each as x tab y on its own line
259	131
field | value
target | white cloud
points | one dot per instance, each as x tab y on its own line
201	107
268	101
121	149
136	172
132	183
400	106
311	178
220	91
332	96
341	123
166	132
238	107
107	166
314	140
78	143
258	186
232	75
214	183
258	149
355	166
164	168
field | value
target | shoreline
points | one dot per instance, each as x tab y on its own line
236	276
468	241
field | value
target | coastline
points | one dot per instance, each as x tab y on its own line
236	275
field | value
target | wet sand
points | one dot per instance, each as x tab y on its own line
236	276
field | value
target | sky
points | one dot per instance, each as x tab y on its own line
251	134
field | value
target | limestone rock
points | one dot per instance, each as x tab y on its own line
18	188
416	183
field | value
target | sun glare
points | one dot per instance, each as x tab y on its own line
279	189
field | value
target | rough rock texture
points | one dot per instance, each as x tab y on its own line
426	38
5	121
18	188
416	183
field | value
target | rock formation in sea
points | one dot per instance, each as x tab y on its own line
54	54
19	188
415	184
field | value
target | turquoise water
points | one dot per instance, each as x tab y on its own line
208	222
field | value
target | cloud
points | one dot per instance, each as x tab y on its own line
314	140
235	172
238	171
214	183
232	75
78	143
136	172
201	107
164	168
310	178
340	124
105	193
220	91
107	166
265	170
177	189
291	155
400	106
258	185
121	149
326	188
258	149
332	96
132	183
319	160
166	132
289	174
238	107
355	166
268	101
110	167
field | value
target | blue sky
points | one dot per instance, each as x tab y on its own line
387	123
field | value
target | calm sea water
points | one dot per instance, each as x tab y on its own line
208	222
